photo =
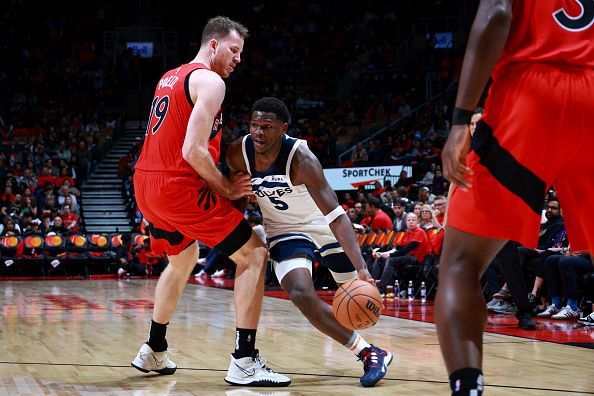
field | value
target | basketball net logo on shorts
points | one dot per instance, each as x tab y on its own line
206	198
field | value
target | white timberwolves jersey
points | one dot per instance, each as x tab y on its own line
281	202
289	211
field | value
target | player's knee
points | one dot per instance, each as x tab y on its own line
301	294
185	260
251	254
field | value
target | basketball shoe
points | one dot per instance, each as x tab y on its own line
148	360
587	320
252	371
375	365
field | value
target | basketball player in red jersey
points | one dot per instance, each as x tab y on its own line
535	132
185	198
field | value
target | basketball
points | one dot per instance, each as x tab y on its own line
357	305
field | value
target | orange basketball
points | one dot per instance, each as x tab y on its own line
357	305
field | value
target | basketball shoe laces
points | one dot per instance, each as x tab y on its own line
261	362
370	358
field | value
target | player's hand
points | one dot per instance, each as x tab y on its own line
454	155
364	275
241	186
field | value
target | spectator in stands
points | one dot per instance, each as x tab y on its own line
440	183
508	262
440	206
562	272
403	181
29	207
427	180
69	219
10	227
45	178
360	209
63	152
408	254
79	168
252	209
348	200
424	196
63	177
476	117
361	195
153	263
359	156
125	259
552	238
31	167
16	206
428	220
63	193
7	197
29	225
58	225
50	204
28	178
53	170
399	219
40	157
427	153
378	219
352	215
417	209
72	189
46	225
74	207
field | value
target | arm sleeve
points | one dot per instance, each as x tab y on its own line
405	249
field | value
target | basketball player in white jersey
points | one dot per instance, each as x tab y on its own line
301	215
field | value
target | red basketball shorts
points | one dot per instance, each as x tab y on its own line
536	132
181	210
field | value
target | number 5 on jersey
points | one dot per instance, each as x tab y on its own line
159	109
278	204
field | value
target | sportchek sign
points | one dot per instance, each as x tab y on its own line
351	178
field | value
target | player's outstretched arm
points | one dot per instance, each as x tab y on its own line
207	90
487	39
306	169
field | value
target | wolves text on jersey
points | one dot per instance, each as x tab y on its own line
279	192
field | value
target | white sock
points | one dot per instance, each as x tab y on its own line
357	343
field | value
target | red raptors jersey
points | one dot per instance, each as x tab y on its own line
168	120
551	31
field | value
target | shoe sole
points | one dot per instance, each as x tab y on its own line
164	371
390	357
262	384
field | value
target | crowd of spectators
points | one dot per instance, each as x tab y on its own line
60	106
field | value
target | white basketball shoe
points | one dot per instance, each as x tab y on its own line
147	360
252	371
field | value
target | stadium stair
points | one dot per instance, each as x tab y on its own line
104	206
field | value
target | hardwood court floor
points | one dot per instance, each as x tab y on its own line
77	337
